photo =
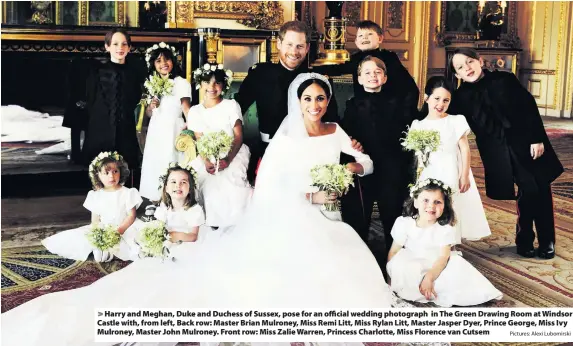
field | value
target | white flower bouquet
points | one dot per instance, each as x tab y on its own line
157	87
214	146
104	237
332	178
153	240
422	143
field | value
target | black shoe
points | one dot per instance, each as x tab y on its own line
546	252
526	252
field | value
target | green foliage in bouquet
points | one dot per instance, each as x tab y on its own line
214	146
157	87
152	240
104	237
422	143
332	178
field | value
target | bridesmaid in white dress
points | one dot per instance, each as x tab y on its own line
226	193
166	120
110	203
420	263
282	253
451	162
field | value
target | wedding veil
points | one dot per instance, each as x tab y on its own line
293	125
278	176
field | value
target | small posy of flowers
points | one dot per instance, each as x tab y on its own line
422	143
214	146
157	87
208	68
332	178
101	156
422	183
157	46
104	237
153	240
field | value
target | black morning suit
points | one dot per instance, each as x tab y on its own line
506	121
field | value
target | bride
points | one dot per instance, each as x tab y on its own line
283	253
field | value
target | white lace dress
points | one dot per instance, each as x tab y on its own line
282	254
459	283
112	208
226	194
165	125
445	165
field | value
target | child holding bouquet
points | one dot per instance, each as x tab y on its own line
112	205
223	158
421	265
450	160
178	217
168	99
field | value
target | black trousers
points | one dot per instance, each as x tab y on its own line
535	207
357	206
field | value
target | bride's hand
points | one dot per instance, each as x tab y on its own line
464	183
322	197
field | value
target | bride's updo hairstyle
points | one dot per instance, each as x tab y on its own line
310	82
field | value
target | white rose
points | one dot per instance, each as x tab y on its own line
197	87
155	47
162	45
229	73
213	68
220	66
206	67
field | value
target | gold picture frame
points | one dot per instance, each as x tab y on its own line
88	13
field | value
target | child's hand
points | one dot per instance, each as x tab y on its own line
322	197
464	183
427	287
209	166
154	103
224	163
356	145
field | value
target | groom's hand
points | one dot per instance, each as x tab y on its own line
356	145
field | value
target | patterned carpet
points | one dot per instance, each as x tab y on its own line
28	272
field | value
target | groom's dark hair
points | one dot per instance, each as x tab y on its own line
310	82
296	26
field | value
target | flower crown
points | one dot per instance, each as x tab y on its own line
207	69
163	178
157	46
111	154
422	183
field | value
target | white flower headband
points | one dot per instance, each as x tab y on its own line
188	167
207	69
161	45
422	183
112	154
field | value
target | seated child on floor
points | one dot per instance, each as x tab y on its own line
421	265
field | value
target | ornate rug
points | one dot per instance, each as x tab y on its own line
29	272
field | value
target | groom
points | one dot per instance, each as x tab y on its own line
267	84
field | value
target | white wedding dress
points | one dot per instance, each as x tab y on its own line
283	253
165	125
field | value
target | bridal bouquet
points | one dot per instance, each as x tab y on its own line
422	143
157	87
104	237
214	146
332	178
154	240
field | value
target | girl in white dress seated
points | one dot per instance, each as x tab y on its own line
166	119
178	208
421	265
226	193
451	162
110	203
